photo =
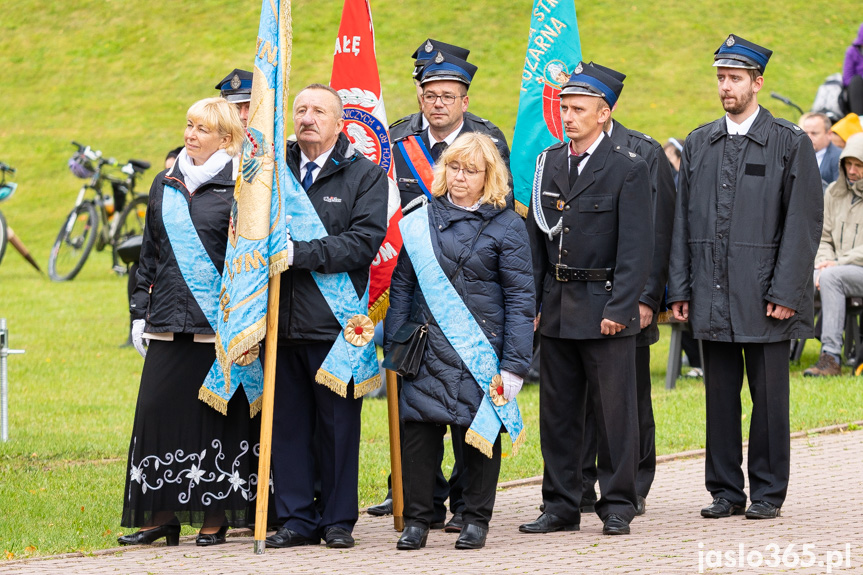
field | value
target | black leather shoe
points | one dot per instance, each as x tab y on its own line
385	508
472	537
413	537
721	507
285	537
762	510
338	538
615	525
207	539
455	524
548	523
170	532
641	506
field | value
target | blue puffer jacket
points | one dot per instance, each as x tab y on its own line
496	284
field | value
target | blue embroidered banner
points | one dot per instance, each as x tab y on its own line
463	333
553	50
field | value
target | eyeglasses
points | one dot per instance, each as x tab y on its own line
446	99
455	169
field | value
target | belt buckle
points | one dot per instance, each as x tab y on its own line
557	268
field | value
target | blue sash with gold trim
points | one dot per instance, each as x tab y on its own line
463	333
204	282
356	359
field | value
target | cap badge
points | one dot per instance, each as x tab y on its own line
439	58
429	47
730	41
579	69
235	81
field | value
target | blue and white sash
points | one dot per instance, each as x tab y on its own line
463	333
345	360
204	282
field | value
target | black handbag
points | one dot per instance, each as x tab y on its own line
407	349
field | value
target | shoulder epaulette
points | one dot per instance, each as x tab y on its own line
789	125
626	152
400	121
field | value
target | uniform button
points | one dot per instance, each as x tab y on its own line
595	206
724	185
566	207
718	286
720	236
566	230
565	252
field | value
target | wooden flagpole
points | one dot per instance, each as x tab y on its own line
395	451
270	348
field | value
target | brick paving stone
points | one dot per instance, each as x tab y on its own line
821	510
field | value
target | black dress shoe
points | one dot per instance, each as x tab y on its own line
615	525
640	507
170	532
285	537
385	508
548	523
721	507
413	537
338	538
207	539
762	510
455	524
472	537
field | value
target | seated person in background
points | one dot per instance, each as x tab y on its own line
844	129
817	126
839	262
852	75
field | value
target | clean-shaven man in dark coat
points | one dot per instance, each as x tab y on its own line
349	194
591	246
662	192
746	229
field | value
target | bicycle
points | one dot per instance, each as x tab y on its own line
81	230
6	191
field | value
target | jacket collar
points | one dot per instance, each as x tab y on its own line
757	133
619	134
560	178
446	214
224	178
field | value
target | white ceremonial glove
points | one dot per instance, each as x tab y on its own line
288	219
138	336
511	384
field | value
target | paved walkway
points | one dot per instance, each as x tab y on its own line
822	513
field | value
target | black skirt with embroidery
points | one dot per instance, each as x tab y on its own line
184	456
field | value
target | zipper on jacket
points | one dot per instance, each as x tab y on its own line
842	234
854	241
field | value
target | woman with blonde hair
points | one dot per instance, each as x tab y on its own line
464	277
188	463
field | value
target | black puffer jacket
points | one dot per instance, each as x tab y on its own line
161	295
350	196
496	284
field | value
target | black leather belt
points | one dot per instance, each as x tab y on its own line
564	273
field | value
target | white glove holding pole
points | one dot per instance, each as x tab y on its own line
138	336
288	218
511	384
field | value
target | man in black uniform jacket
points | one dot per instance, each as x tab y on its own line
649	304
746	228
438	122
349	194
592	246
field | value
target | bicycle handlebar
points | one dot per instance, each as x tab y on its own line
6	168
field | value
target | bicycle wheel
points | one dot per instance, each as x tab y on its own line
4	236
73	243
130	224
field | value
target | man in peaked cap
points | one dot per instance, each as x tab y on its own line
454	74
591	245
662	197
746	228
236	88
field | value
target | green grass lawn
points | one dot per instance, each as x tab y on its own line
120	75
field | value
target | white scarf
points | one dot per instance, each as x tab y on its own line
194	175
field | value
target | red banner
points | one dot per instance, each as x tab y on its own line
355	77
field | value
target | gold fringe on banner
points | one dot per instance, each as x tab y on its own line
378	311
213	400
520	208
332	382
476	440
519	441
367	386
255	406
665	316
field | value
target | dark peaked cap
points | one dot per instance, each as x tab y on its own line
736	52
591	81
236	87
613	73
447	67
427	49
